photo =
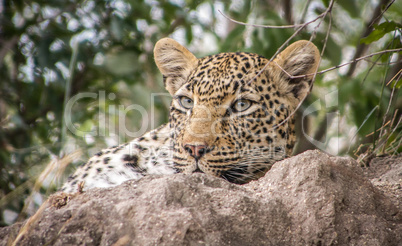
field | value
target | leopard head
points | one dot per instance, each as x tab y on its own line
231	113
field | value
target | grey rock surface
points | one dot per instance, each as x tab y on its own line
309	199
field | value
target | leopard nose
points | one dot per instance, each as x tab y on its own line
196	151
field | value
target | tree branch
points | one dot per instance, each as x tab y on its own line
287	8
376	17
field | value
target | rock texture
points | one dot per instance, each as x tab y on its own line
309	199
386	174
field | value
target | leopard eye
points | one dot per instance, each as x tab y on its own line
186	102
241	105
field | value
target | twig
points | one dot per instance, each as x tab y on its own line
388	108
291	37
276	27
383	64
327	12
381	14
374	64
392	79
321	127
381	143
372	133
347	63
304	12
283	70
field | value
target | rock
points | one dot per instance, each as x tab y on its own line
385	173
309	199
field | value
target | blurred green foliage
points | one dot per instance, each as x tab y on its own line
113	41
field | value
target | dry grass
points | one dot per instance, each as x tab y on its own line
53	170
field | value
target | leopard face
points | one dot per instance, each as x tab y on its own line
231	113
230	117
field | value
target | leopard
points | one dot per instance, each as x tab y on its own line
231	116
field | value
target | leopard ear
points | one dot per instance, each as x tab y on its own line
175	63
300	58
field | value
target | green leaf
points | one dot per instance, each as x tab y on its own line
379	31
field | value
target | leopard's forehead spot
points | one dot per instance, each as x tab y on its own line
218	76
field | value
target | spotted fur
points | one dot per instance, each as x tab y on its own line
230	117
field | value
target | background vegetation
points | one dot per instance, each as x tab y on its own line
51	51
